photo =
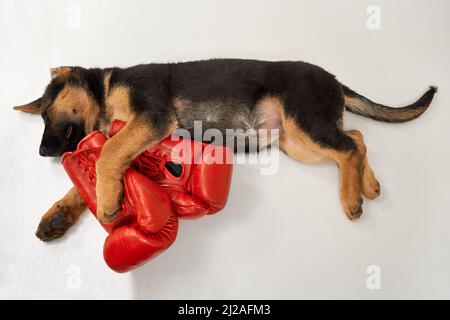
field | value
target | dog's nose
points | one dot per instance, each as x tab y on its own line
42	151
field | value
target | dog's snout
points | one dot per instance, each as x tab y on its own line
42	151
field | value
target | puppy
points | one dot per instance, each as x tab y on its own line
303	102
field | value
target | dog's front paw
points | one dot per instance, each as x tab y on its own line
109	198
54	223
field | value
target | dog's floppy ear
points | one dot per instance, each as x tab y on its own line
34	107
60	73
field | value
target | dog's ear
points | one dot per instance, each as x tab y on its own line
34	107
60	73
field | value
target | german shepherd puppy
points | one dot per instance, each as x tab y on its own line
303	101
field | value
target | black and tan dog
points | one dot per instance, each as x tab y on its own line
304	102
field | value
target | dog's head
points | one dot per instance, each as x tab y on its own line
69	108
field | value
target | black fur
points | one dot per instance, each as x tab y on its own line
151	94
310	94
376	111
223	93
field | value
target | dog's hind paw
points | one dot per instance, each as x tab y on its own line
370	186
354	210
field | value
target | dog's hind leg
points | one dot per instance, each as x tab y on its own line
61	216
347	149
370	184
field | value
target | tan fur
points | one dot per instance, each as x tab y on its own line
69	208
118	152
398	114
116	157
34	107
60	73
118	103
106	80
293	141
356	176
75	102
71	204
298	145
370	185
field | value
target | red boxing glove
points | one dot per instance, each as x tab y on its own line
196	175
147	224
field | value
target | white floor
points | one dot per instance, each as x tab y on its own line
282	235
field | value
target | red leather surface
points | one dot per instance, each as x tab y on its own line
127	248
147	223
152	205
80	166
203	186
153	196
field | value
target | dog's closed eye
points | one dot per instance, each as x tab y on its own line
69	131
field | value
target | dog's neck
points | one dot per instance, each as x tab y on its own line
114	104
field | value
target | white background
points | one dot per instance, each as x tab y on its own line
280	236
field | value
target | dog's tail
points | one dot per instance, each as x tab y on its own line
359	104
